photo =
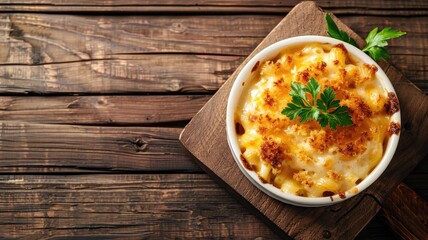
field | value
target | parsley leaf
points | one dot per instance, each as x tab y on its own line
326	110
376	41
334	32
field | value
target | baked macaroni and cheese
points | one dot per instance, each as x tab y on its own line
303	158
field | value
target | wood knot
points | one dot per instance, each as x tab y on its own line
177	28
74	104
408	126
101	102
16	32
139	144
326	234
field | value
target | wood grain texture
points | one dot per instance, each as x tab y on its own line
93	37
101	110
136	47
406	213
49	148
341	221
62	54
136	206
129	206
418	181
126	54
387	7
28	148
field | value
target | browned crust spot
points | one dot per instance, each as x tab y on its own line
392	106
333	175
255	66
269	100
321	66
372	68
394	128
361	111
342	195
239	128
356	147
335	62
322	142
303	178
303	76
328	194
350	141
341	46
262	180
279	82
272	153
349	149
262	130
359	180
246	163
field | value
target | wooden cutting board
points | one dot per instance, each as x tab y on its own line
205	138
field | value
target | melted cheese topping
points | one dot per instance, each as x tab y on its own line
303	158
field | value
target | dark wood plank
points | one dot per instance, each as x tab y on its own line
136	74
271	6
44	53
341	221
124	206
376	229
125	54
75	38
44	203
63	38
28	148
101	110
406	213
130	206
418	182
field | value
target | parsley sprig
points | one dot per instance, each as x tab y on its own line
326	110
334	32
375	41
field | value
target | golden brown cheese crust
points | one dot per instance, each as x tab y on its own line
303	158
272	153
394	128
392	106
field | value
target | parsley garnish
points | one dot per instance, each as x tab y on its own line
325	110
334	32
375	41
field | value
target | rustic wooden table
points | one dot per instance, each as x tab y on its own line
95	93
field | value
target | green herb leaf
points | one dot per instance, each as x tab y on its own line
334	32
326	110
377	53
376	41
313	88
